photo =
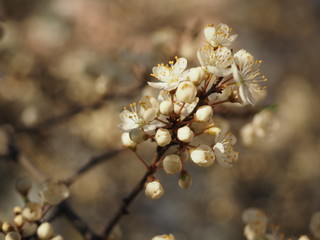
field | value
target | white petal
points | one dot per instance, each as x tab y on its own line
158	85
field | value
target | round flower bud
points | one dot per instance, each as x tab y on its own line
186	92
154	190
29	228
164	237
163	137
172	164
196	75
45	231
7	227
213	131
23	185
17	210
58	237
185	134
32	211
204	113
54	192
13	236
126	141
137	135
315	225
185	181
19	220
166	108
203	156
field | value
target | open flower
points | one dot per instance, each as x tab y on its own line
223	149
217	62
219	36
247	76
169	75
141	115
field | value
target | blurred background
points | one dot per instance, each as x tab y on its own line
86	59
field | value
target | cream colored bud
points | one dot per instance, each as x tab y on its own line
126	141
17	210
185	181
54	192
203	156
7	227
197	75
172	164
58	237
164	237
45	231
213	131
19	220
186	92
204	113
23	185
254	230
154	190
163	137
137	135
32	211
185	134
166	108
29	228
12	236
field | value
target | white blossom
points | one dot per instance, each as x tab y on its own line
219	36
163	137
197	75
126	140
45	231
32	211
154	190
202	156
184	109
223	149
265	123
204	113
172	164
164	237
218	62
186	92
54	192
255	230
185	134
169	75
247	76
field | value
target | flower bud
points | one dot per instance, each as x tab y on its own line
213	131
54	192
204	113
29	228
19	220
137	135
126	141
17	210
186	92
32	211
45	231
172	164
185	134
304	237
7	227
154	190
255	230
197	75
163	137
203	156
166	108
13	236
58	237
185	181
164	237
23	185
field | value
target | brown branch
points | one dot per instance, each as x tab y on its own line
123	210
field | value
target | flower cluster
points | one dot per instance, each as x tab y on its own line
185	108
256	227
29	220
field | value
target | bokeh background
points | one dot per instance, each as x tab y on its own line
59	56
